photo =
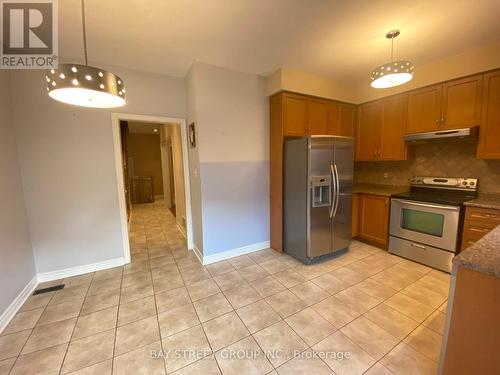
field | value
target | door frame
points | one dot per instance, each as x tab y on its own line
115	123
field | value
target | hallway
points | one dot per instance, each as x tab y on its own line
153	233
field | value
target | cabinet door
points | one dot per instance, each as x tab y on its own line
368	131
392	144
461	106
333	119
374	218
295	115
489	131
316	117
347	118
355	215
424	110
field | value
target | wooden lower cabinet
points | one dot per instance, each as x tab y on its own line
471	337
478	222
374	219
355	215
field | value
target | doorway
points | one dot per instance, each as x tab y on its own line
173	150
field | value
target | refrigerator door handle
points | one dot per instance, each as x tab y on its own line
337	190
334	191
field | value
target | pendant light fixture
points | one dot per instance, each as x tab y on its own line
85	85
394	73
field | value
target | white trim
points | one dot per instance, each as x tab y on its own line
122	203
232	253
14	307
198	254
115	121
181	229
80	270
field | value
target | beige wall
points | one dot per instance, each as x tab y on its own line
145	150
311	84
473	61
454	159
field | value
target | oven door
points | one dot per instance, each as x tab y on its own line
427	223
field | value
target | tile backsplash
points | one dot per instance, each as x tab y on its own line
446	159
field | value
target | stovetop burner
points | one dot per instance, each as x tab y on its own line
441	190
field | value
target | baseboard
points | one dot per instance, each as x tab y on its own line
198	254
181	229
14	307
80	270
208	259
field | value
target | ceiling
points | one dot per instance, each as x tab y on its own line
338	39
143	128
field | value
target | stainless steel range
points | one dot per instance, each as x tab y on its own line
426	222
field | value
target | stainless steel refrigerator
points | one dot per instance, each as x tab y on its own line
318	176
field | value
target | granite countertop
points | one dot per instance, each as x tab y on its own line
384	190
482	256
486	200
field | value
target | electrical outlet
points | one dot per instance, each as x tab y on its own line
386	175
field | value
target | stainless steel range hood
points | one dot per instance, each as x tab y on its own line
465	133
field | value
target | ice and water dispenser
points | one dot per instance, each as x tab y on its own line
321	188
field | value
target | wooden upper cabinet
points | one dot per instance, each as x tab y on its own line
316	117
341	119
303	115
489	131
368	131
347	120
451	105
392	144
424	110
295	115
333	118
461	103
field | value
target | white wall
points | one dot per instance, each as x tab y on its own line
194	160
68	168
231	112
16	256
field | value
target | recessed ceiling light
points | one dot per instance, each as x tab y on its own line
155	130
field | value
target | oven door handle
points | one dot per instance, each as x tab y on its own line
427	205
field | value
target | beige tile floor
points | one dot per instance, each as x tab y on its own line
366	312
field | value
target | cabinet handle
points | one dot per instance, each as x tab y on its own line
442	121
488	216
482	230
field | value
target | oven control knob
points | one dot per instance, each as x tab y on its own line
464	183
471	183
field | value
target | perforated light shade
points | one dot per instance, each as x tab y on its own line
85	86
392	74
